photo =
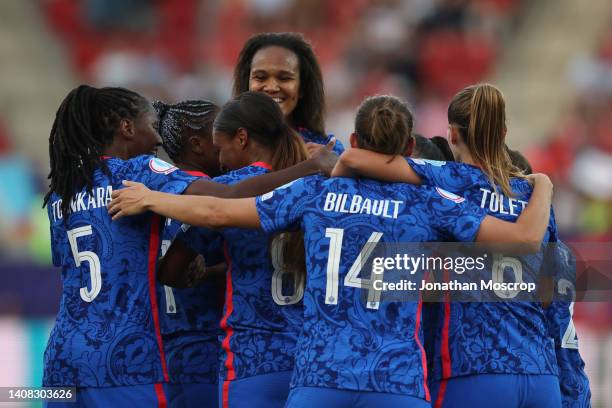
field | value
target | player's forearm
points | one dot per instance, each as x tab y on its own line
208	212
254	186
193	210
374	165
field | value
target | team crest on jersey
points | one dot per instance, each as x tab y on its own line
450	196
160	166
436	163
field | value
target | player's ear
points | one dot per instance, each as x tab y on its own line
126	129
453	135
195	144
242	137
353	140
410	147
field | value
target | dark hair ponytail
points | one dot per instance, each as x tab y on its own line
84	125
264	121
479	112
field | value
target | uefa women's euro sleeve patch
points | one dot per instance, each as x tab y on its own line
451	176
456	216
161	167
159	175
450	196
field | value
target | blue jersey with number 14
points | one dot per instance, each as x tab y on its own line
348	342
107	329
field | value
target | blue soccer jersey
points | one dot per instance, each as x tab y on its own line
312	137
487	337
346	343
107	329
189	319
575	389
262	315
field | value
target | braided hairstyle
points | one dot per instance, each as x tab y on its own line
175	120
84	126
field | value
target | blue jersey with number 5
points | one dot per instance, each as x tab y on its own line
348	342
507	337
107	329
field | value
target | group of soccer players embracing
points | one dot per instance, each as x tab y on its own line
257	300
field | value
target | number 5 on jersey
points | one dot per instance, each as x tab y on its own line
92	260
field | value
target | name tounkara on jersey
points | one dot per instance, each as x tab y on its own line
84	201
356	204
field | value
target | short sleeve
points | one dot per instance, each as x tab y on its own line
451	176
204	241
282	209
454	216
159	175
312	137
338	147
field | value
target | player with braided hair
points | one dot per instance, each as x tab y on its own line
352	351
106	340
186	131
190	316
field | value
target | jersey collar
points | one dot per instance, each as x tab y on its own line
196	173
262	164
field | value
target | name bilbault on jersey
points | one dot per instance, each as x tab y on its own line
347	342
488	337
107	330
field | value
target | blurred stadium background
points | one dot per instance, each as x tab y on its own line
551	58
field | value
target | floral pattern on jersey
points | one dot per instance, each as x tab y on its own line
575	388
347	345
189	320
488	338
110	340
263	334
